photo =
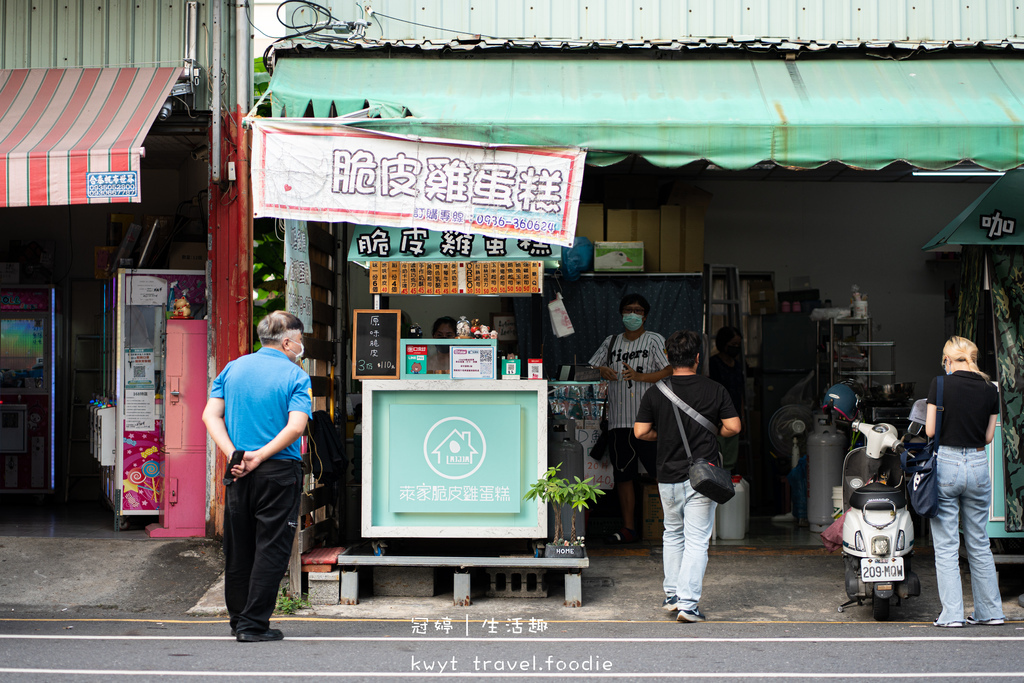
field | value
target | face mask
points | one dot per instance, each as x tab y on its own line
302	349
632	321
732	351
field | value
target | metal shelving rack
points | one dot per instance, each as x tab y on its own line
841	367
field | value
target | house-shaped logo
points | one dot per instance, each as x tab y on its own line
456	449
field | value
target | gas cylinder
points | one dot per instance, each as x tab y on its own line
826	446
566	451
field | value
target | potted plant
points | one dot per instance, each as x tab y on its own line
559	492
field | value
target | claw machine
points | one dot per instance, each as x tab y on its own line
28	318
145	300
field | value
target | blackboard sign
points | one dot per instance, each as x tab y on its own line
375	344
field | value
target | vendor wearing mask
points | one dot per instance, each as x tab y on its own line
728	368
631	362
439	358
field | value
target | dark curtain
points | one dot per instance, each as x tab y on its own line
593	306
968	303
1008	312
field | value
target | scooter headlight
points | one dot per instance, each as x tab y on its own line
858	541
880	545
901	541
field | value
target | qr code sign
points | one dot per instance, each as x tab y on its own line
139	372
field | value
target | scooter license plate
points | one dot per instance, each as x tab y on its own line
873	570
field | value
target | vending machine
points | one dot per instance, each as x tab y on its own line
145	301
28	318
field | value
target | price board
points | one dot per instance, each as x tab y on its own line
375	343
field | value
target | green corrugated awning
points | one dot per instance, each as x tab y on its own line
994	218
866	113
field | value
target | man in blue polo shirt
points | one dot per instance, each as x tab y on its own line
259	404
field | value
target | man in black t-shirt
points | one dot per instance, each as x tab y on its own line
685	544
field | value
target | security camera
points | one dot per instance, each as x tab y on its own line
165	111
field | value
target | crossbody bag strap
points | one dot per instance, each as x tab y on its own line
938	411
679	421
683	406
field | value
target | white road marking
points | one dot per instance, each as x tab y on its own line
963	675
540	639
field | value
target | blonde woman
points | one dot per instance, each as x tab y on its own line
970	407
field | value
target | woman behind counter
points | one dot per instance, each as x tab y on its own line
439	358
970	407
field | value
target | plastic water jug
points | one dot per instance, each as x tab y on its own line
733	516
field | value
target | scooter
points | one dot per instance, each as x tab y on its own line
878	533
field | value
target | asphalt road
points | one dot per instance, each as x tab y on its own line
109	648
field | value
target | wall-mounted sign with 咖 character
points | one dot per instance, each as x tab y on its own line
322	171
997	225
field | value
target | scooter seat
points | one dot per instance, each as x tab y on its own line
876	491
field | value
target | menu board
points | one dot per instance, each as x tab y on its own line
462	277
375	343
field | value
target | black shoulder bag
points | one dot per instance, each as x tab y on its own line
705	478
919	461
600	450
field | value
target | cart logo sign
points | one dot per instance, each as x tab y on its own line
452	457
455	448
997	226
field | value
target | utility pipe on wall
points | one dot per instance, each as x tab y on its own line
215	81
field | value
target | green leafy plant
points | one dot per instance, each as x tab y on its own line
558	492
289	605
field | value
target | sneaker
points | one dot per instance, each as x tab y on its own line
985	622
670	604
949	624
692	615
259	637
621	536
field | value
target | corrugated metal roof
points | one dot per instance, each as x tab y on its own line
47	34
828	21
753	44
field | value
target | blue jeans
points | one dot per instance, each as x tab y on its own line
965	490
689	517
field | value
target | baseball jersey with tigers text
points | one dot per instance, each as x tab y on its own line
644	354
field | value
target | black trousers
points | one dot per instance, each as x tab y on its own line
261	512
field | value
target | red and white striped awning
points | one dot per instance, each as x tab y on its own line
74	136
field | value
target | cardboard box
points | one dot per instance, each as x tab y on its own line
637	226
762	297
9	273
654	515
682	230
187	256
590	222
619	257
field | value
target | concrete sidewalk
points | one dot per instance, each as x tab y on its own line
742	584
175	577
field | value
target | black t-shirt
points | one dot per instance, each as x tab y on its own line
968	400
707	397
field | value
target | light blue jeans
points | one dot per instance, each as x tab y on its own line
689	517
965	490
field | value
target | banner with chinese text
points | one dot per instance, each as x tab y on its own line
319	170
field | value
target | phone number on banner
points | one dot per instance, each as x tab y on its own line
515	222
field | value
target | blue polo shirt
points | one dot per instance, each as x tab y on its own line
259	390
